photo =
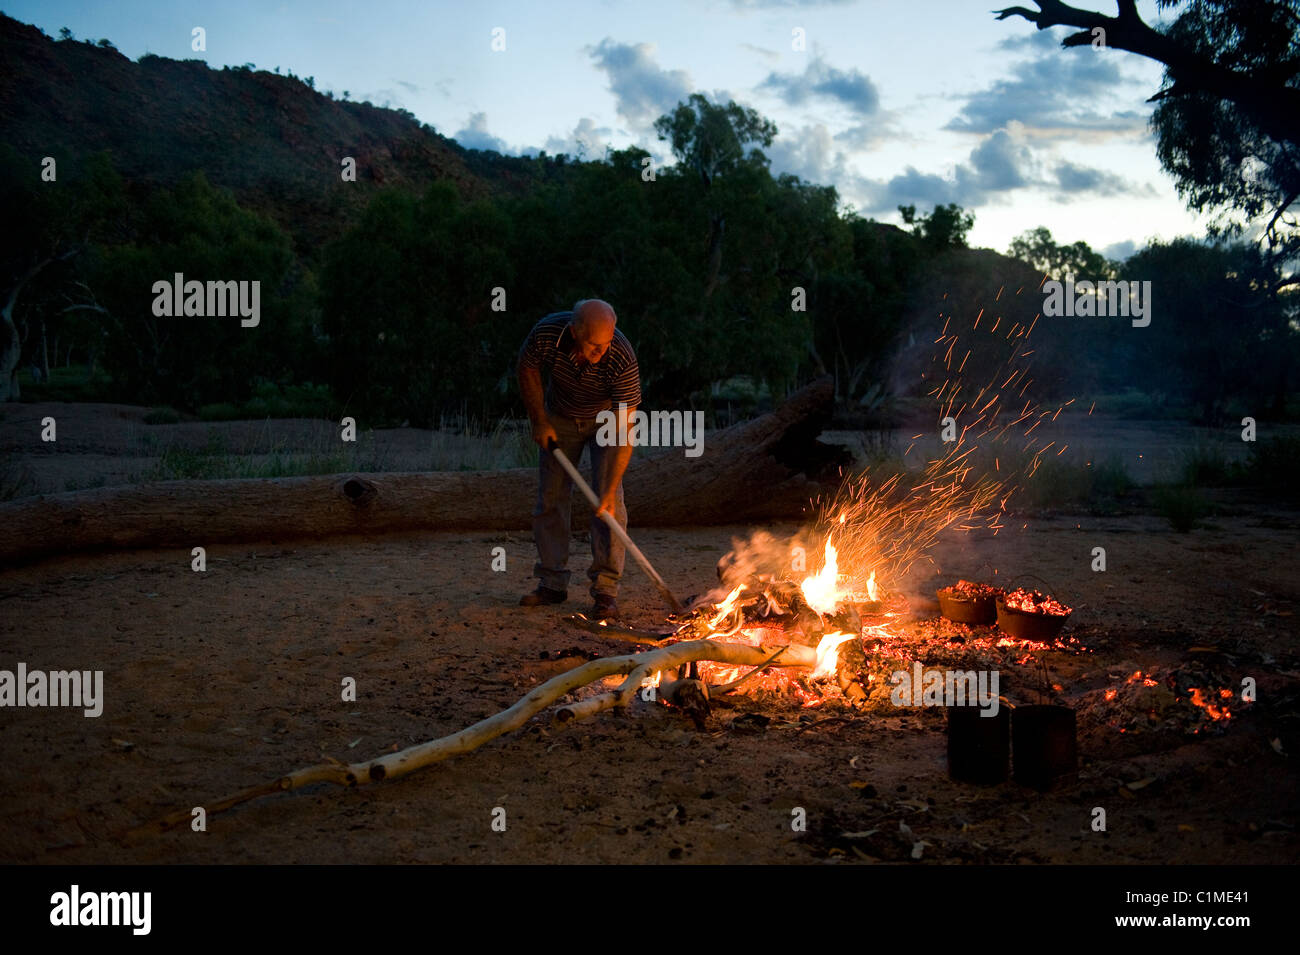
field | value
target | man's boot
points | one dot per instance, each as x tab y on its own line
542	596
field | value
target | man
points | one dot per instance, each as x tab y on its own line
592	369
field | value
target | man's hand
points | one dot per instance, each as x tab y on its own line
608	503
544	434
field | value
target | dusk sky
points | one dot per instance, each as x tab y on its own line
891	102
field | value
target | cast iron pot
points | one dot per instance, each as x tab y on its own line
979	611
978	746
1042	627
1044	745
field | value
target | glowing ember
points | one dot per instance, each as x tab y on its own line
971	590
1031	601
819	589
1212	711
828	653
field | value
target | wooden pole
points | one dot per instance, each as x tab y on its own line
616	528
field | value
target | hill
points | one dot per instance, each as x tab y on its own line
271	139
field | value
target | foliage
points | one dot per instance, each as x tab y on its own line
711	139
946	227
1037	248
1216	329
1222	157
1274	463
1182	506
203	234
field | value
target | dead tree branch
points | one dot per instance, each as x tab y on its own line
1272	104
637	667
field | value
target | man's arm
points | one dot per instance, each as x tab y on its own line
621	458
530	387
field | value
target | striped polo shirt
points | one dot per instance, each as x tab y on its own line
578	389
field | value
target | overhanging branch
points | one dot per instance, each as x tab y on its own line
1272	105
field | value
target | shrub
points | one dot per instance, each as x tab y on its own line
1183	507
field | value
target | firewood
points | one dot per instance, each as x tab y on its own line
637	666
615	632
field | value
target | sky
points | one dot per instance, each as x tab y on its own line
918	102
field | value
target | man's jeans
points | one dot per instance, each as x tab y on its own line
554	501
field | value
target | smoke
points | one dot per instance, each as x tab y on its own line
765	556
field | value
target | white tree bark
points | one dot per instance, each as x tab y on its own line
637	667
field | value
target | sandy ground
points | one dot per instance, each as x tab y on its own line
219	680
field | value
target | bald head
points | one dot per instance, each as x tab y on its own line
593	328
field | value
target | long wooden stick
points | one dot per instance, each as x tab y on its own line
616	528
638	666
644	637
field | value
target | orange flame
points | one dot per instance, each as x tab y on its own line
726	607
828	653
820	589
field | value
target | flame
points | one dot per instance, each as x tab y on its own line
726	607
819	589
828	653
873	592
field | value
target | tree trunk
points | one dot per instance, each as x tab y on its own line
756	470
9	358
13	348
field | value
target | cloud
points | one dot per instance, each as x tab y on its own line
385	97
809	154
866	136
1072	178
785	4
587	141
847	87
642	90
1052	94
1035	41
409	87
998	165
476	135
1119	251
762	51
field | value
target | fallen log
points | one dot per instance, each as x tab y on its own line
638	667
763	469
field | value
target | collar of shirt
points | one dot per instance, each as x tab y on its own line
568	349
